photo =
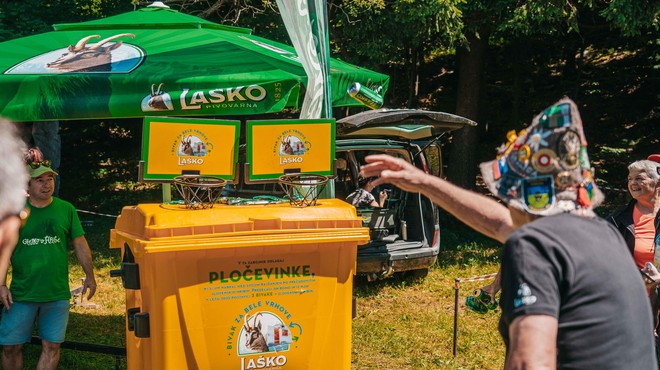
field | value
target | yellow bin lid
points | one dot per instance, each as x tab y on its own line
166	224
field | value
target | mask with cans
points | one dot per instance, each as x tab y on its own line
545	168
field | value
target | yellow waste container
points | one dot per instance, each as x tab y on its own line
239	287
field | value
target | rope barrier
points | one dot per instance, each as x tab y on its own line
610	188
96	213
476	278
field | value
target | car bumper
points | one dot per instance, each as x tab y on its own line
392	259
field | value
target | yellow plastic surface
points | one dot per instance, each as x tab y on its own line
209	276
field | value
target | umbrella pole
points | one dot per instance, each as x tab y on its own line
167	192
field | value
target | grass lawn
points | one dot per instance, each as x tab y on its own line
401	323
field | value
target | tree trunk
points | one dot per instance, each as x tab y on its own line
462	168
519	73
419	70
572	50
412	77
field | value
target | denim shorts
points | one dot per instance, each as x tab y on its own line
17	324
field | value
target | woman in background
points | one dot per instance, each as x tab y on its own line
639	222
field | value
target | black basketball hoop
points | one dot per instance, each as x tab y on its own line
303	189
199	192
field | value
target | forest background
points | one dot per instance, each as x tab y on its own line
498	62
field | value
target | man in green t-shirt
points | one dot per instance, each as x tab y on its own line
40	272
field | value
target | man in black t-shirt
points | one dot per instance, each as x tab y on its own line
574	276
572	297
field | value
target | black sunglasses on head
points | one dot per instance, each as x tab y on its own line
35	165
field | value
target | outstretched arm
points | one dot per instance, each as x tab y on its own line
480	212
84	256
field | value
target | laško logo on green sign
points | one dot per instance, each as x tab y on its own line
252	93
231	97
259	274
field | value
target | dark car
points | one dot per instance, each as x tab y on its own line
405	232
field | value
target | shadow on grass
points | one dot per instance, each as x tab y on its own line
86	328
86	325
460	246
363	288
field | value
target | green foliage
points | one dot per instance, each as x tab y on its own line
386	32
541	17
612	151
632	16
558	17
28	17
106	154
262	16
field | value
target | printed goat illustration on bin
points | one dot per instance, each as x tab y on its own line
277	336
254	338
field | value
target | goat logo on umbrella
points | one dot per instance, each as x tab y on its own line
159	100
109	55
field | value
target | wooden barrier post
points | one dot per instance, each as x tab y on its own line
457	287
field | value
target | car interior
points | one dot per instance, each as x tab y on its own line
384	223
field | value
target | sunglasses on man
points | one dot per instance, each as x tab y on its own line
35	165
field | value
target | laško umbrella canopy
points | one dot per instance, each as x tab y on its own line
157	61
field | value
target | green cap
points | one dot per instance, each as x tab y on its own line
36	172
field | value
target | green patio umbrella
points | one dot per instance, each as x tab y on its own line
157	61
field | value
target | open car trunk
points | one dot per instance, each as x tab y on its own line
405	124
405	231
